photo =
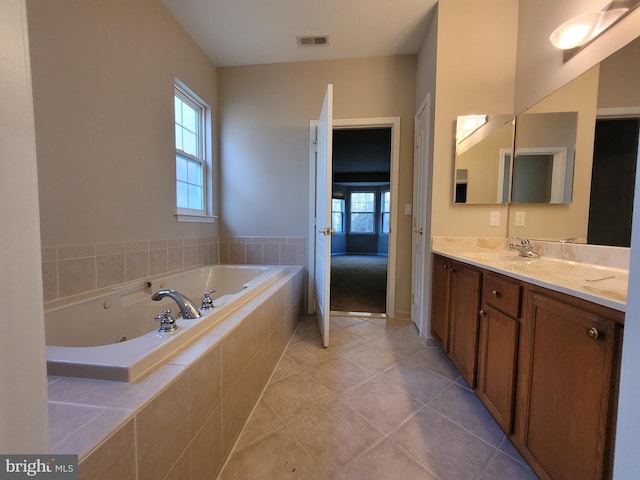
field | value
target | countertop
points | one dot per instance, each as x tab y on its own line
605	286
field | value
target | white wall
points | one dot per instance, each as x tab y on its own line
23	393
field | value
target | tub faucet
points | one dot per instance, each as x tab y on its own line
525	248
188	309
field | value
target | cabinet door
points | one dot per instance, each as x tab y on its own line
497	353
568	389
464	311
440	301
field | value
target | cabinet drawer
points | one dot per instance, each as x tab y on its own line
502	293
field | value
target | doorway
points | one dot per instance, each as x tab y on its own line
393	124
361	207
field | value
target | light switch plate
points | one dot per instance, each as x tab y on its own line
494	219
519	220
408	209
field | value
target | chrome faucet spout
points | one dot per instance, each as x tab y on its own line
525	249
187	307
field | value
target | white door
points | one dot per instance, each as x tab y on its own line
420	236
322	275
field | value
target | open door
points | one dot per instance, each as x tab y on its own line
322	275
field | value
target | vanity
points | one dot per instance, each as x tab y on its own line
539	342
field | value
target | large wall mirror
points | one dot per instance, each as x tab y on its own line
604	105
482	171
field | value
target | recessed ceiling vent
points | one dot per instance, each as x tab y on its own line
313	40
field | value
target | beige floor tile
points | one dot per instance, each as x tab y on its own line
367	330
399	344
442	446
372	357
382	405
341	340
434	359
339	374
309	353
287	366
296	395
463	407
389	323
334	435
262	422
386	461
307	330
420	383
502	466
277	456
336	322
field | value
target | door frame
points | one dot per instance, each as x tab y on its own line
373	122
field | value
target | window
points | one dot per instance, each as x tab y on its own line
192	162
363	207
385	211
337	215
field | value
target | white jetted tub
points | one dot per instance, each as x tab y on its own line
113	335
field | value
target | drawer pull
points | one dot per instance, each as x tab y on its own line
495	293
593	333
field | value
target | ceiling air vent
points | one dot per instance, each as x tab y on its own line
313	40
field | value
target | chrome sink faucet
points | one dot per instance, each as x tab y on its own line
188	309
524	248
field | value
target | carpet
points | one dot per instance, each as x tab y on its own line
359	283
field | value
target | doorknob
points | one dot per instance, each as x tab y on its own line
419	231
326	231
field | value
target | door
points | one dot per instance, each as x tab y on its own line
322	272
419	252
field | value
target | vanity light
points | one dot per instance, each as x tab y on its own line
467	124
580	30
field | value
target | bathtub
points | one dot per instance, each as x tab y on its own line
113	335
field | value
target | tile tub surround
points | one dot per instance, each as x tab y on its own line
182	420
262	250
73	269
567	268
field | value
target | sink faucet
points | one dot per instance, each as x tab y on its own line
525	248
188	309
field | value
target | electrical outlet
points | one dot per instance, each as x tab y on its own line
494	219
408	209
519	219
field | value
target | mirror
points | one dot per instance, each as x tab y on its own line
603	185
544	159
483	159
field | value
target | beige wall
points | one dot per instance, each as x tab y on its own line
103	75
265	112
475	74
23	386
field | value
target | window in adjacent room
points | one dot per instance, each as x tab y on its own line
385	211
363	207
337	215
193	161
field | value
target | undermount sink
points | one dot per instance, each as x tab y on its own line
495	256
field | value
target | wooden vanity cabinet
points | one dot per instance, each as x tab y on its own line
498	347
568	384
455	307
440	301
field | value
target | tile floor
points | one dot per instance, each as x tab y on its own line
379	403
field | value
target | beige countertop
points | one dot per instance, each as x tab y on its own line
599	284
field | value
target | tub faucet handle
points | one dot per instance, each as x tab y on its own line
207	301
167	322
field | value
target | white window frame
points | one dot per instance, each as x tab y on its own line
341	212
383	212
372	212
204	156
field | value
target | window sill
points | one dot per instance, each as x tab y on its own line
186	218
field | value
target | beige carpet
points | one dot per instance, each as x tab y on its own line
358	283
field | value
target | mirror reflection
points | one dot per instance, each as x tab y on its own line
607	101
544	159
483	160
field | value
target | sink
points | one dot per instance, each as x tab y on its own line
491	256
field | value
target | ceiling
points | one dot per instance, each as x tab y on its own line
248	32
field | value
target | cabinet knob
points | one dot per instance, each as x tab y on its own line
495	293
593	333
482	313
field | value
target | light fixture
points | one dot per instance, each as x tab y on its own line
582	29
